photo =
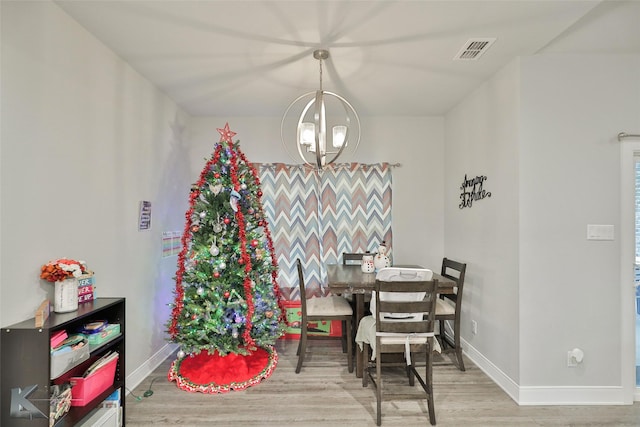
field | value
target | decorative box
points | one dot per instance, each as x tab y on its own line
86	287
293	317
85	389
63	361
112	401
111	331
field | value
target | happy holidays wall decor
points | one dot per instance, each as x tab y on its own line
471	190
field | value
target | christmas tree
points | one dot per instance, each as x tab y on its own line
227	311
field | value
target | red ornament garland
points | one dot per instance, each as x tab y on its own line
245	257
178	304
248	339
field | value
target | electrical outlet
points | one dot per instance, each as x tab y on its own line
571	361
474	327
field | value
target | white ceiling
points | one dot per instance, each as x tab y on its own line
252	58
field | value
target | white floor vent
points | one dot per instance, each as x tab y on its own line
474	48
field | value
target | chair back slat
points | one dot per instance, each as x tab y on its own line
401	286
352	258
405	327
405	306
455	271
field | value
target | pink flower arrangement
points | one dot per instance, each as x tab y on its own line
62	269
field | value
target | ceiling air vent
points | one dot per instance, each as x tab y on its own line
474	48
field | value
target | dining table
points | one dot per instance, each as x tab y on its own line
344	279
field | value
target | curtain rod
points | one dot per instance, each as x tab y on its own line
333	166
623	135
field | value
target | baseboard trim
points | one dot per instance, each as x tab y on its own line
523	396
545	395
571	395
492	371
143	371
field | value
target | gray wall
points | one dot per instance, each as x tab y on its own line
482	139
572	108
545	134
84	139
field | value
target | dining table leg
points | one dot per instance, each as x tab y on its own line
359	315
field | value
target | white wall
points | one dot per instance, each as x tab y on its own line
415	143
544	130
572	109
84	139
481	139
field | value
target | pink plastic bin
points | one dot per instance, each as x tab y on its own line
85	389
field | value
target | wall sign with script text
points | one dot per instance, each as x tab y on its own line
472	190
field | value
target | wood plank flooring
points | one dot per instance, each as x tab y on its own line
325	394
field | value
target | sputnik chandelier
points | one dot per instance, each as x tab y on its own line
321	111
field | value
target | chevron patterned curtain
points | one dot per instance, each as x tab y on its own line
315	216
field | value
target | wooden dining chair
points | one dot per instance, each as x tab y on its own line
449	308
404	317
318	309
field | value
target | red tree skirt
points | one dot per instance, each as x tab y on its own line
212	373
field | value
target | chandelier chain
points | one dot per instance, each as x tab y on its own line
320	74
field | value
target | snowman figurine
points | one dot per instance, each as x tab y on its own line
381	260
367	263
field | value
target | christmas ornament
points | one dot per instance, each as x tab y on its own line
233	200
215	189
217	227
214	250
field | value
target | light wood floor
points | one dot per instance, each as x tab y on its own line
325	394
